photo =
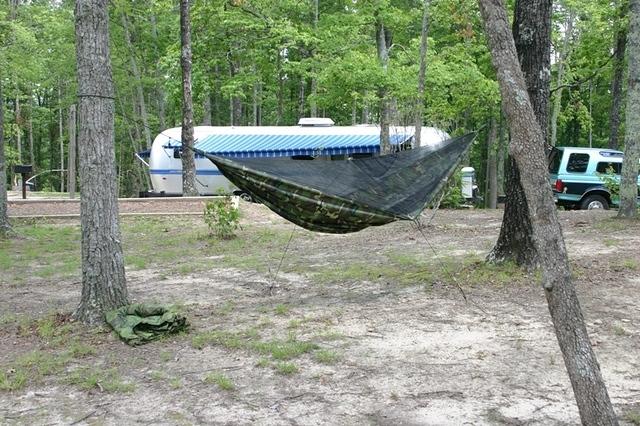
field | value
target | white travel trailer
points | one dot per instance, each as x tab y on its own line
313	138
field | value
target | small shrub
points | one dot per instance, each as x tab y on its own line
611	181
222	218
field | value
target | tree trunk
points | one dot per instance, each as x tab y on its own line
532	35
71	168
61	139
188	161
160	97
616	87
280	92
206	108
5	227
502	145
313	105
419	112
301	98
564	57
629	179
382	43
492	166
138	83
18	129
32	159
527	149
103	278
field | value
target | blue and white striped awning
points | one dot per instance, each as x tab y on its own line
283	145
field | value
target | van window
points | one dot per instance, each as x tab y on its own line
555	156
578	163
604	167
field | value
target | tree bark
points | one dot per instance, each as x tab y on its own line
71	167
382	43
492	165
629	178
5	227
188	161
422	72
564	57
206	109
61	138
616	84
138	83
313	105
160	96
18	129
532	35
32	159
527	149
103	278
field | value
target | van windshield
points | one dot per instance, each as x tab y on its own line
555	156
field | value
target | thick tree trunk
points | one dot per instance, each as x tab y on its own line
188	161
103	278
629	179
422	72
382	43
527	149
5	227
564	57
532	34
616	88
71	167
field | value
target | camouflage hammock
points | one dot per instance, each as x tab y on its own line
347	196
140	323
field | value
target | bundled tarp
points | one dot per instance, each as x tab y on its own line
350	195
139	323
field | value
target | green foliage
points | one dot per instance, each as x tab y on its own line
611	181
453	197
222	218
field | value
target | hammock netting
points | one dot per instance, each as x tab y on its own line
348	195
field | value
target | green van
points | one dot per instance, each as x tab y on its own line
576	176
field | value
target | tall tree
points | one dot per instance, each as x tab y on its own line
422	71
618	75
103	278
527	149
532	35
629	179
188	161
5	227
383	42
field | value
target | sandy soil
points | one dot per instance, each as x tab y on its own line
406	355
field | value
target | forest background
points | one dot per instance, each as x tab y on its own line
270	63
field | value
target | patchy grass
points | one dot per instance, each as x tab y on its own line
286	368
88	378
219	379
281	309
325	356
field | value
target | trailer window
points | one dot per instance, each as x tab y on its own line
604	167
578	163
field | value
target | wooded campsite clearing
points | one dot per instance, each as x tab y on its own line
294	327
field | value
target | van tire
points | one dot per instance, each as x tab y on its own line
593	202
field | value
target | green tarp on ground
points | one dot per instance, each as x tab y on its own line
140	323
350	195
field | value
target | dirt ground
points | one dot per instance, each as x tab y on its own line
400	354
